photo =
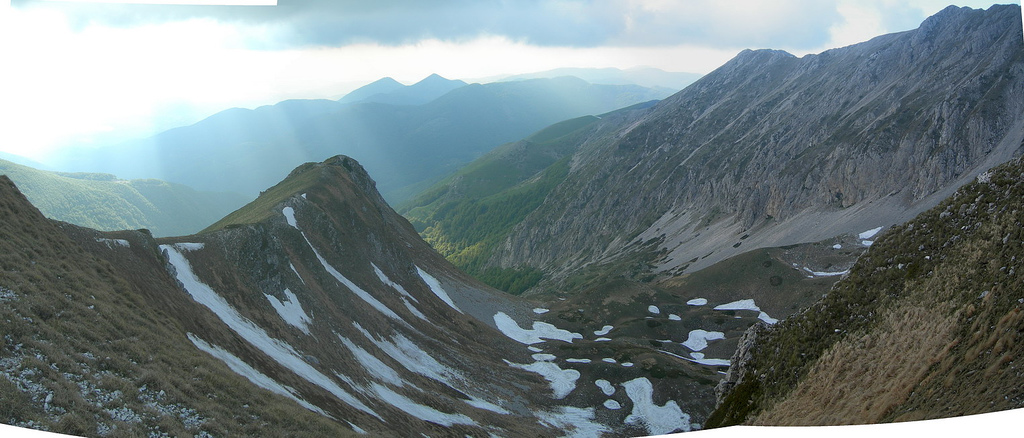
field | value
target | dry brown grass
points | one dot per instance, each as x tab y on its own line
862	378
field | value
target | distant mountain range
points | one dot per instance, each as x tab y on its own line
405	145
104	202
643	76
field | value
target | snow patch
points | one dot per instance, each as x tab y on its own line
423	412
290	311
543	357
697	302
608	360
257	378
371	364
604	330
562	381
578	360
435	286
658	420
747	304
480	403
837	246
388	282
111	243
653	309
867	242
540	311
540	331
612	405
186	246
606	386
362	294
574	422
602	339
281	352
289	216
674	317
826	274
869	233
296	273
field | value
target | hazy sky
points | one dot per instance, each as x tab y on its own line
80	72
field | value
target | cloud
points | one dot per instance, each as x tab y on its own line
569	23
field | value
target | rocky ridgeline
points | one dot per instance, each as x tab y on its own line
790	149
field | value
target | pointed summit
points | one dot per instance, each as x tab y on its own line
380	86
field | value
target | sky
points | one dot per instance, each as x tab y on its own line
81	73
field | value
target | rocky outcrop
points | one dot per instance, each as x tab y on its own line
790	149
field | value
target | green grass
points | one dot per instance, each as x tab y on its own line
302	178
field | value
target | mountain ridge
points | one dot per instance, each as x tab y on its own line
734	129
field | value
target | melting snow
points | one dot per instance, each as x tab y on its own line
371	364
867	242
540	330
185	246
837	246
574	422
387	281
413	358
674	317
627	364
412	309
606	386
534	349
604	330
562	381
252	374
480	403
747	304
653	309
697	302
602	339
114	242
608	360
869	233
698	339
578	360
425	413
296	273
289	215
543	357
612	404
826	274
540	311
711	362
435	286
281	352
291	311
658	420
362	294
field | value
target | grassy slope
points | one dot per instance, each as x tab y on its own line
102	202
85	352
925	326
468	213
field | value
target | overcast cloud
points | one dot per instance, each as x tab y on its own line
797	24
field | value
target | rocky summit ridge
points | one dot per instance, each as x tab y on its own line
771	149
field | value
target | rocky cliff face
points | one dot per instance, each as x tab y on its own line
780	149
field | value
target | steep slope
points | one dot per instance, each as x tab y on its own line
926	325
86	352
771	150
104	202
405	147
333	309
465	215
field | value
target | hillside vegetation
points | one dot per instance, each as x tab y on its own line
926	325
103	202
466	215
